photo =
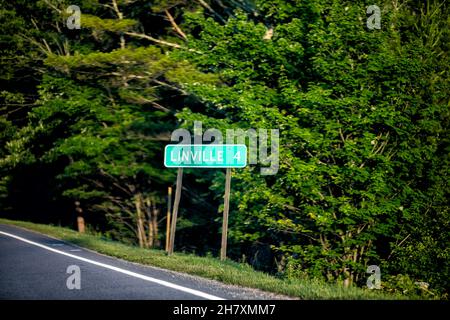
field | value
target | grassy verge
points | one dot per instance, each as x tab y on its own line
228	272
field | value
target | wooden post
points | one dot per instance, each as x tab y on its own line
81	226
169	211
175	210
226	208
80	219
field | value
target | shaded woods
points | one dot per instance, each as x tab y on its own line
362	113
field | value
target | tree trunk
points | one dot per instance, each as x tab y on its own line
150	231
140	222
154	223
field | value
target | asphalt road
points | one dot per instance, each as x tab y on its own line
34	266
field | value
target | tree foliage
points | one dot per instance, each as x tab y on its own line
363	118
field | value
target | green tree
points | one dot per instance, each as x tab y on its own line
104	112
359	127
362	114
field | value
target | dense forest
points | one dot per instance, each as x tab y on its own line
362	114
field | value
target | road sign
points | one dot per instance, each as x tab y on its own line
205	156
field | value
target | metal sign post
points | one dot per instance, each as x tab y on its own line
175	210
204	156
226	208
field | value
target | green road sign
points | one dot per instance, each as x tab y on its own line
205	156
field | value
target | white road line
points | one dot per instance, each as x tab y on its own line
130	273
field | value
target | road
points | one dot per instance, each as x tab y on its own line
34	266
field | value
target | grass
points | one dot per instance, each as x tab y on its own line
228	272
